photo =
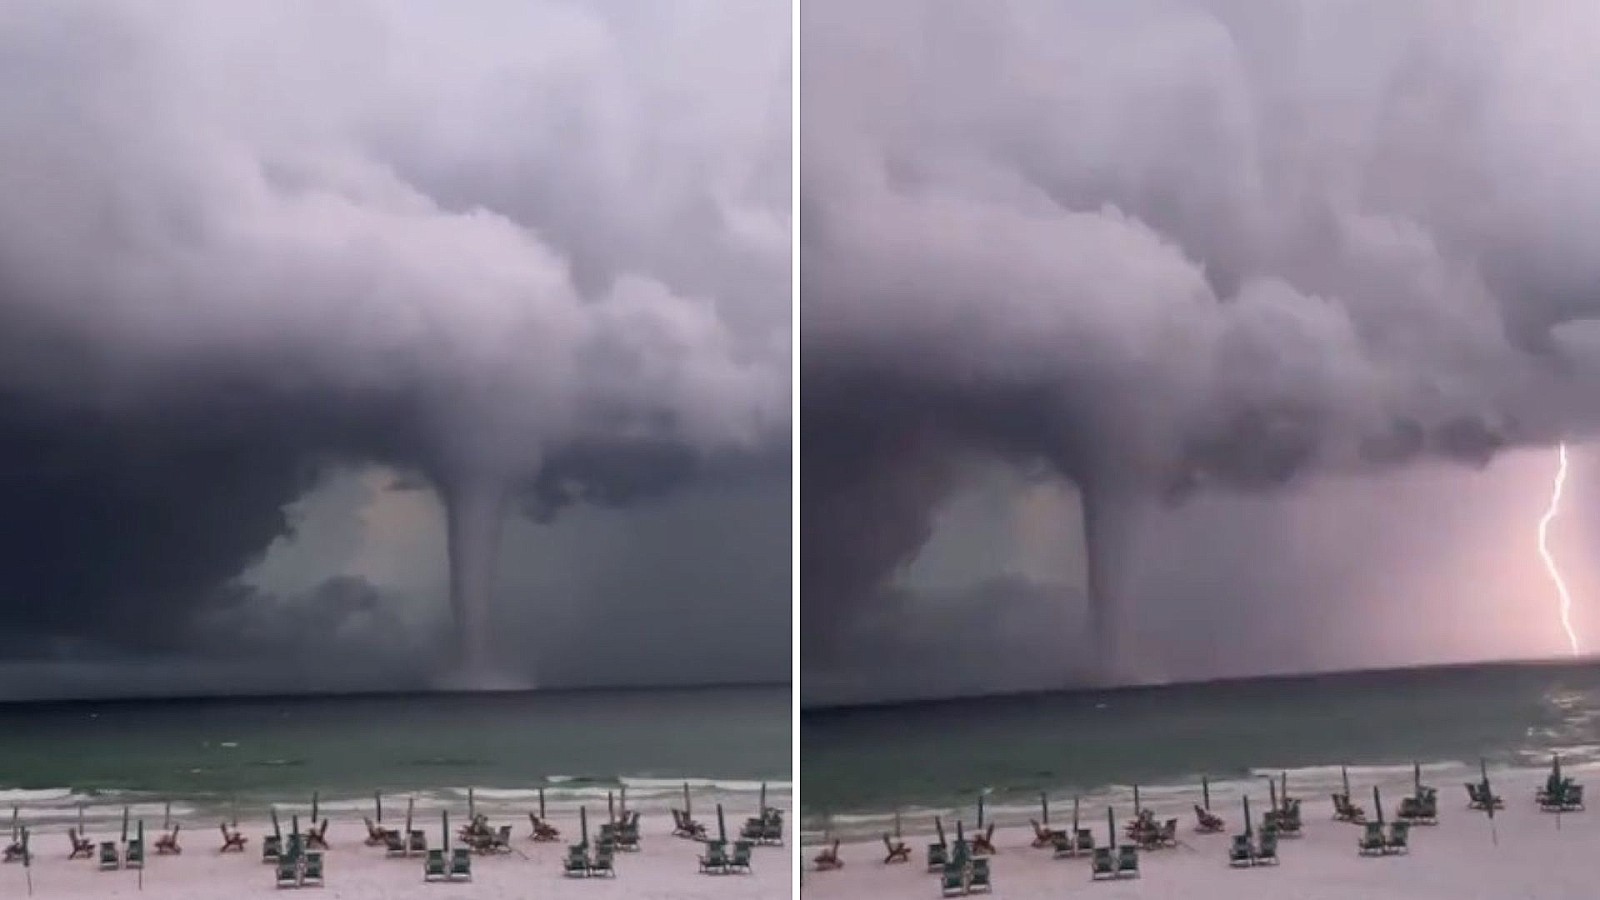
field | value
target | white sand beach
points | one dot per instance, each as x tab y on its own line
665	867
1537	856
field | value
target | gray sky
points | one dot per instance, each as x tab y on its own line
259	260
1299	295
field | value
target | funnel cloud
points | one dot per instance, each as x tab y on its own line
1188	259
534	255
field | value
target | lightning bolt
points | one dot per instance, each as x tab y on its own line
1544	546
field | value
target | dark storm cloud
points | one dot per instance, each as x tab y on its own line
241	242
1167	247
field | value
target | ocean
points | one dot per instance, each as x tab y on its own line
210	757
860	765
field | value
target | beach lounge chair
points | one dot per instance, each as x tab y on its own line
1206	821
895	851
14	852
1044	837
983	842
954	880
740	861
1240	853
628	834
1398	839
80	846
604	863
231	840
978	880
311	875
317	836
543	831
433	866
1572	798
500	841
576	865
1345	811
1085	840
1266	849
417	842
1371	842
827	859
109	858
1167	835
393	844
938	855
168	843
271	848
287	871
1127	861
1480	797
1062	846
715	859
460	864
133	855
1102	864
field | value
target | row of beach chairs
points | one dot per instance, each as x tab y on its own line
718	861
1243	853
1123	863
579	864
457	867
1374	842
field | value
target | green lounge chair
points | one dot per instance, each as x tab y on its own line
109	858
938	855
604	864
1266	849
393	844
433	866
1085	840
1103	864
1239	852
576	865
1061	846
288	871
715	862
417	841
1127	861
1371	842
271	848
1398	840
954	880
740	861
461	864
133	857
1572	798
978	879
312	873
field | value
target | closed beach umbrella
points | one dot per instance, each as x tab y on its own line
1137	808
166	816
1272	795
687	809
611	807
1248	829
1285	792
1205	792
276	831
16	826
411	805
1416	778
938	825
444	827
623	802
583	824
897	824
722	827
961	837
1377	803
763	798
541	803
1111	827
1044	807
472	805
1074	814
315	806
980	811
377	800
1344	776
80	820
124	824
1488	801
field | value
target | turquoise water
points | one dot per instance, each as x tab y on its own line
859	765
207	756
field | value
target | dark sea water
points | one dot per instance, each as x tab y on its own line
859	765
206	756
